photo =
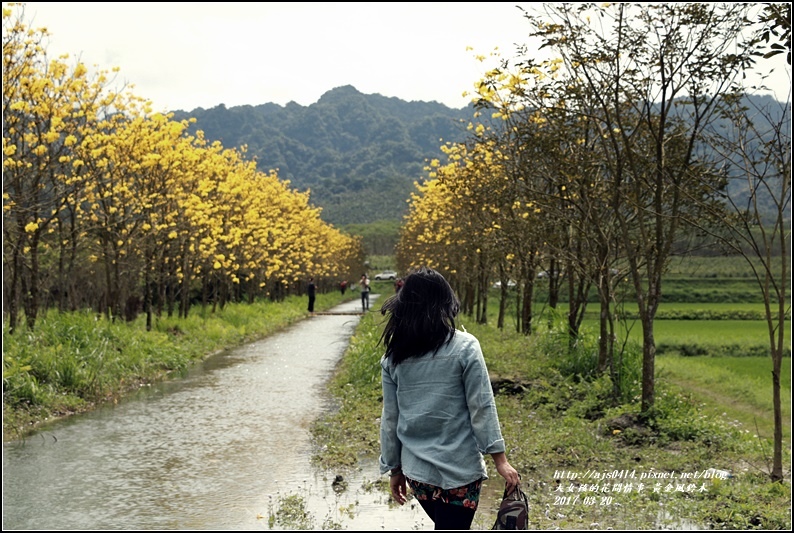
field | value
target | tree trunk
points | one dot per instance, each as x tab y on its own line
12	296
108	283
648	365
777	454
526	311
503	295
32	296
554	283
148	289
605	325
483	291
184	289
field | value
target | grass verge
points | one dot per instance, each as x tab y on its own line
586	461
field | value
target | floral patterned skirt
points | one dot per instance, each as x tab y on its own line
467	496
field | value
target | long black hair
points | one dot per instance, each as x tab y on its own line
421	316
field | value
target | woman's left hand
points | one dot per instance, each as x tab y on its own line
398	488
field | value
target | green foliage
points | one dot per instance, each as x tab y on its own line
752	503
378	237
698	313
380	262
715	267
677	416
515	357
691	291
711	290
579	359
290	513
628	371
717	337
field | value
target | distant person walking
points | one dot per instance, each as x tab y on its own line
343	286
364	284
312	292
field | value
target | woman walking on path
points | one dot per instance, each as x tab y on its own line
439	415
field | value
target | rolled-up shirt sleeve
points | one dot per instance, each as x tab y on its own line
390	446
480	399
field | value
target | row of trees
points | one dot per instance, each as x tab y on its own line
607	155
110	206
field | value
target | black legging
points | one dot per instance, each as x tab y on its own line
448	516
364	300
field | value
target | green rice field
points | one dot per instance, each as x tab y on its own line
706	331
710	329
741	387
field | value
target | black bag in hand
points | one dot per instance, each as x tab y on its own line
513	511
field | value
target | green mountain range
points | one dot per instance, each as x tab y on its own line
358	154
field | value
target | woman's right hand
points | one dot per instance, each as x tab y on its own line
506	470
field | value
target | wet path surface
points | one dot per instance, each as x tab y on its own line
215	450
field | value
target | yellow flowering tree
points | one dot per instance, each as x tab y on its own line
47	108
107	204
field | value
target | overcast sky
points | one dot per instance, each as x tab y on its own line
202	54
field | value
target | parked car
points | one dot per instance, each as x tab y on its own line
510	284
386	274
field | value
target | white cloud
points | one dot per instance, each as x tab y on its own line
201	54
186	55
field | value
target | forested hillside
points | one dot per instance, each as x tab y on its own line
358	154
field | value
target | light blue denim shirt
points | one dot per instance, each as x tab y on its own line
439	415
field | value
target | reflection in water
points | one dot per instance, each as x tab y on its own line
208	451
